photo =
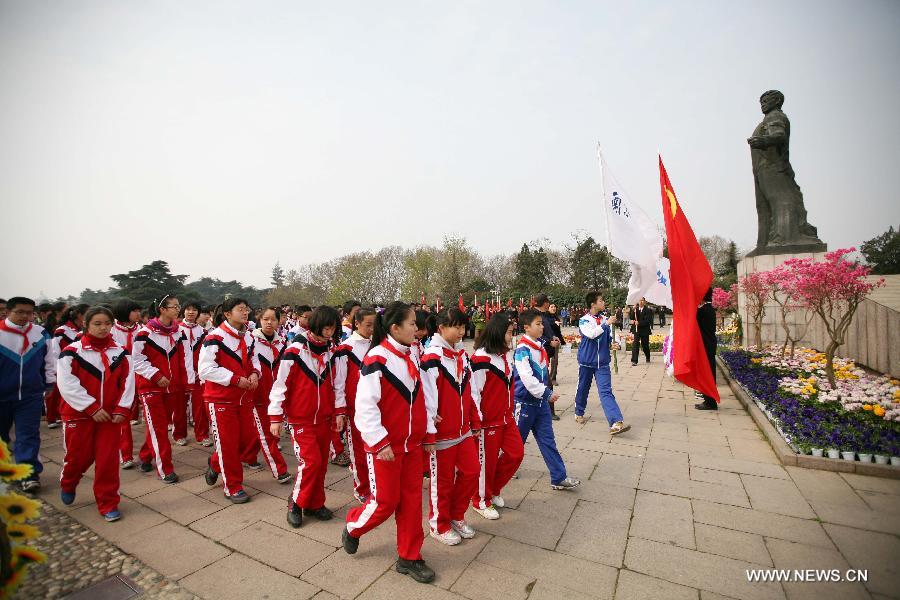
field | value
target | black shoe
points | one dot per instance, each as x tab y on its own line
295	516
322	514
417	569
284	478
705	406
146	467
351	544
239	497
554	416
210	476
170	478
634	364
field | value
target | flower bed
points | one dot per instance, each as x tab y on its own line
656	341
860	418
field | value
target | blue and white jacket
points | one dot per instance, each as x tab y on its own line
27	367
596	338
531	375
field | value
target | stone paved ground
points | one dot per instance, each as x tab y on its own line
679	507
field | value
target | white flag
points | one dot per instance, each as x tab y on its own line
634	238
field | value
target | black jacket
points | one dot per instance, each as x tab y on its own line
706	321
642	319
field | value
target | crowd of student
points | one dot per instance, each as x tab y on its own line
389	392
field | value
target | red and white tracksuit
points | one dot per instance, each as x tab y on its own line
195	335
226	356
500	447
268	352
161	351
64	335
124	336
94	374
303	393
390	411
348	359
446	381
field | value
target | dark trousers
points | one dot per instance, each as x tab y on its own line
641	338
712	365
25	416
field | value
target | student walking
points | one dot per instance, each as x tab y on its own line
128	314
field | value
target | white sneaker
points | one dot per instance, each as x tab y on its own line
490	513
127	464
498	502
464	530
182	442
582	419
206	443
566	484
450	537
53	425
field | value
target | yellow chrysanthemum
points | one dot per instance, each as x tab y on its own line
15	508
13	471
21	531
879	411
867	407
27	554
4	452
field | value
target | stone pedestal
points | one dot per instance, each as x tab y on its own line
772	331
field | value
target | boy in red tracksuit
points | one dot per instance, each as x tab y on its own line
127	314
393	423
195	335
500	447
97	387
269	347
446	376
303	393
163	370
229	369
348	359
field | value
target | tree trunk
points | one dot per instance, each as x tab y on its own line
829	363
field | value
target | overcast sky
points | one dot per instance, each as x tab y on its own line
220	136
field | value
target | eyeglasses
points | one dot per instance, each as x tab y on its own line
175	306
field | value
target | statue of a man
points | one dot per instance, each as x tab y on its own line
779	202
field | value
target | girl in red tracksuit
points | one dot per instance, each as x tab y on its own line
97	386
446	378
127	313
195	333
348	359
500	446
393	422
229	369
269	347
303	393
65	334
163	370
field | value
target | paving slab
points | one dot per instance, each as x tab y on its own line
874	552
173	550
663	518
280	549
597	532
748	547
237	577
777	495
637	586
484	582
760	522
801	557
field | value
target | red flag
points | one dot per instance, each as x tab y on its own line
462	305
690	277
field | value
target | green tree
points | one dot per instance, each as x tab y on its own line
150	282
883	252
726	274
532	270
421	274
277	275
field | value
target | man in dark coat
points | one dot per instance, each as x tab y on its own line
641	326
706	320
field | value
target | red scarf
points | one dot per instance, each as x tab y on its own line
22	332
410	366
458	355
100	345
536	346
242	344
130	331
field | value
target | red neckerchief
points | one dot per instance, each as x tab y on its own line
536	346
23	333
99	345
190	329
242	342
410	366
317	357
130	331
458	355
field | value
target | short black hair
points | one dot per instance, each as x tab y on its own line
541	300
450	317
97	310
348	306
493	336
17	300
303	308
323	317
192	304
591	297
122	309
528	316
362	313
277	310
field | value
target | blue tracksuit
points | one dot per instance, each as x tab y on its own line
593	363
532	392
27	368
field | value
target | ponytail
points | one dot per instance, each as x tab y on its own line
393	314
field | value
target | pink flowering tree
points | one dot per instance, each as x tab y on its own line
782	282
832	289
755	286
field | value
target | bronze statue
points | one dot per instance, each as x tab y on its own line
783	227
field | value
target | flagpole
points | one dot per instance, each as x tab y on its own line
608	254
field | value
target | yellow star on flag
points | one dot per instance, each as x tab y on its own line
673	203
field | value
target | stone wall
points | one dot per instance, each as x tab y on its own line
873	339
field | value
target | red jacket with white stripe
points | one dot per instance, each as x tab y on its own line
159	352
226	356
390	405
63	335
348	360
303	391
446	379
195	336
124	335
268	354
492	389
86	384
